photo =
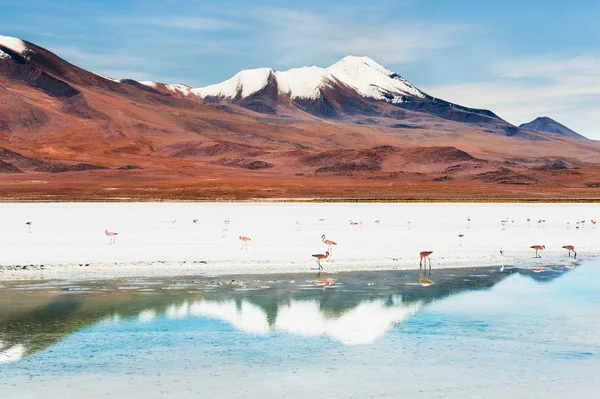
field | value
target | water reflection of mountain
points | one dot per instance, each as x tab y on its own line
357	310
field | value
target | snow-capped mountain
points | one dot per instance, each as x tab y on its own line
361	74
351	87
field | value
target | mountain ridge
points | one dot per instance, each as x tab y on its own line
69	133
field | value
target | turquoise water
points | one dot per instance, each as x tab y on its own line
477	332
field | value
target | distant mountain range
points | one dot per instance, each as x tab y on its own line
332	131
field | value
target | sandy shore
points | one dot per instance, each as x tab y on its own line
159	239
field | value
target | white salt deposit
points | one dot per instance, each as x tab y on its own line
66	237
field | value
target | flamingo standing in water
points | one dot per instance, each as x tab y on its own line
320	257
425	255
28	224
571	248
593	223
538	248
112	236
329	243
244	241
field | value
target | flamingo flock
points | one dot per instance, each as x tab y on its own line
424	256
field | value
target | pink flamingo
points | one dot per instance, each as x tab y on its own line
356	224
112	235
245	240
425	255
195	221
28	224
329	243
593	223
377	221
537	249
320	257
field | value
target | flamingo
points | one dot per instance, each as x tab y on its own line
538	248
329	243
528	221
425	255
28	224
244	241
583	223
593	223
571	248
112	236
568	225
377	221
408	224
325	282
320	257
460	237
297	225
173	223
195	221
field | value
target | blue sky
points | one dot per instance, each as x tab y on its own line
522	59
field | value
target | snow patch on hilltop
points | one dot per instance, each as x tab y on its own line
16	45
245	83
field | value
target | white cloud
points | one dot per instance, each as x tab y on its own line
300	36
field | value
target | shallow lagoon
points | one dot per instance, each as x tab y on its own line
477	332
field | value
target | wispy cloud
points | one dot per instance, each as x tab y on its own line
301	35
181	22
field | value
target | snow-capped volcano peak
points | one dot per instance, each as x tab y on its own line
373	80
367	77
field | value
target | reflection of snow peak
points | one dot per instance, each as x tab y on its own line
12	353
358	326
